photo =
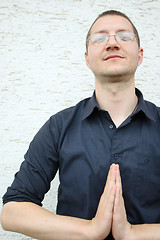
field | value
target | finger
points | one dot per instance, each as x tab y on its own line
108	196
118	180
112	173
119	201
110	186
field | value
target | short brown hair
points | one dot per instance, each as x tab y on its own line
113	12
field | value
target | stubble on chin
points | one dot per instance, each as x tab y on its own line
114	77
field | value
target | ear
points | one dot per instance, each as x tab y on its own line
87	60
140	56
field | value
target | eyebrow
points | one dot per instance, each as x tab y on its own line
119	30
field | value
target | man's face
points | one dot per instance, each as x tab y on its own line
113	58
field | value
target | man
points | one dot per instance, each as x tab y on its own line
111	137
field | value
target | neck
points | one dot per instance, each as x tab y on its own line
119	99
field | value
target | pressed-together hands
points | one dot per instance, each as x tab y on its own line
34	221
111	213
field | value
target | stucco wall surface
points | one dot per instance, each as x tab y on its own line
42	69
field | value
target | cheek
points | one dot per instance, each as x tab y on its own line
138	56
138	61
94	52
91	60
134	58
94	57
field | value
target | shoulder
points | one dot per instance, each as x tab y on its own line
69	113
56	126
153	109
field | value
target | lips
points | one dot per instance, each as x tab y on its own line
112	57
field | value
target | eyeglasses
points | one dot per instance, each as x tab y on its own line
121	37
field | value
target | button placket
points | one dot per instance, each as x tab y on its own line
116	148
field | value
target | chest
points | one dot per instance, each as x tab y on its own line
87	152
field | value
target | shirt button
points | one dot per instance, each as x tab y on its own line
116	156
111	126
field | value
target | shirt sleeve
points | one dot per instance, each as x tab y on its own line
38	169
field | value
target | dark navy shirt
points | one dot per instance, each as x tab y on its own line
82	142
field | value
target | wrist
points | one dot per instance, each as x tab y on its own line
128	233
132	234
96	231
90	231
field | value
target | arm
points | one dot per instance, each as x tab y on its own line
32	220
122	229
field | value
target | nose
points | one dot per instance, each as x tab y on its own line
112	43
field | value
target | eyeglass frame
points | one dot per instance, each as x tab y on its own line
134	35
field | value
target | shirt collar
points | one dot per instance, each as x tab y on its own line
143	106
89	106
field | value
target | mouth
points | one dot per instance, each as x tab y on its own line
113	57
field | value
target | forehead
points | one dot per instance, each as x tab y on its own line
111	23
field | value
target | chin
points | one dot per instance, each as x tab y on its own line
116	73
115	76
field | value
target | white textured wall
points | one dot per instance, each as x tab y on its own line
42	68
